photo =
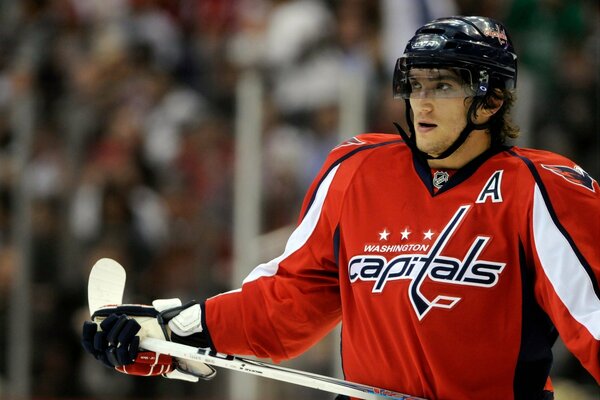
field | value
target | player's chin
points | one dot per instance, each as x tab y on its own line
429	149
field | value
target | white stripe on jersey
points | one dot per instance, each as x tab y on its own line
564	270
300	235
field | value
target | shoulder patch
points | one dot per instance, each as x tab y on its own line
369	139
575	175
355	141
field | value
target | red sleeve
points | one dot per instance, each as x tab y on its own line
289	303
564	232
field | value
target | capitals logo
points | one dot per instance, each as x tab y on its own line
351	142
470	271
575	175
497	33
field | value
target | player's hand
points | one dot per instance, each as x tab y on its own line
113	338
116	345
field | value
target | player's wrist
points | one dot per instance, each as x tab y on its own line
189	327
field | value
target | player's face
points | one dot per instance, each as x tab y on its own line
440	101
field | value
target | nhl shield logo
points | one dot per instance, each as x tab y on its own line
440	178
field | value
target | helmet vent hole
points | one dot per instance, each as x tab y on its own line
435	31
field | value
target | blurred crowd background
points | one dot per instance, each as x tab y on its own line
117	127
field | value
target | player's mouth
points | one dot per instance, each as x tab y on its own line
425	126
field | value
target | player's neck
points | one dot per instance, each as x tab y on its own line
477	142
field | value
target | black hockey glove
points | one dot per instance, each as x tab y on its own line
113	337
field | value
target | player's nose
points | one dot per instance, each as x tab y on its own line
421	105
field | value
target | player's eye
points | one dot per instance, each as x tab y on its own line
444	87
415	85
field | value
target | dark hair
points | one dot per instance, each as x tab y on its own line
501	126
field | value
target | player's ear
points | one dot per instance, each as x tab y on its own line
489	106
493	102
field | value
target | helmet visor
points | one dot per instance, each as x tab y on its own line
434	83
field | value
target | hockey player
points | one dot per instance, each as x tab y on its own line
452	260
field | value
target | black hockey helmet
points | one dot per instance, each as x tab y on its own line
477	48
479	45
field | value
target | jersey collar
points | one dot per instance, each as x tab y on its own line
424	171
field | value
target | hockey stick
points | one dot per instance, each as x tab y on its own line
272	371
106	286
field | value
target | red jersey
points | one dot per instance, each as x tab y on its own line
449	294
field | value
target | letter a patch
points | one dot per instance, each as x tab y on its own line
491	190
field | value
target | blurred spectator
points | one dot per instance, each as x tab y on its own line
302	65
284	167
173	107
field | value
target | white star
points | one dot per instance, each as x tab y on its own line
405	233
384	235
428	235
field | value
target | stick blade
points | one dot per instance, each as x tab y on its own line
106	284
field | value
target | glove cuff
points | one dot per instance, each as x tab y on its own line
197	339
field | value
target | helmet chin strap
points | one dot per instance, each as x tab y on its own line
460	140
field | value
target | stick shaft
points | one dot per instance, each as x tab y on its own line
272	371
